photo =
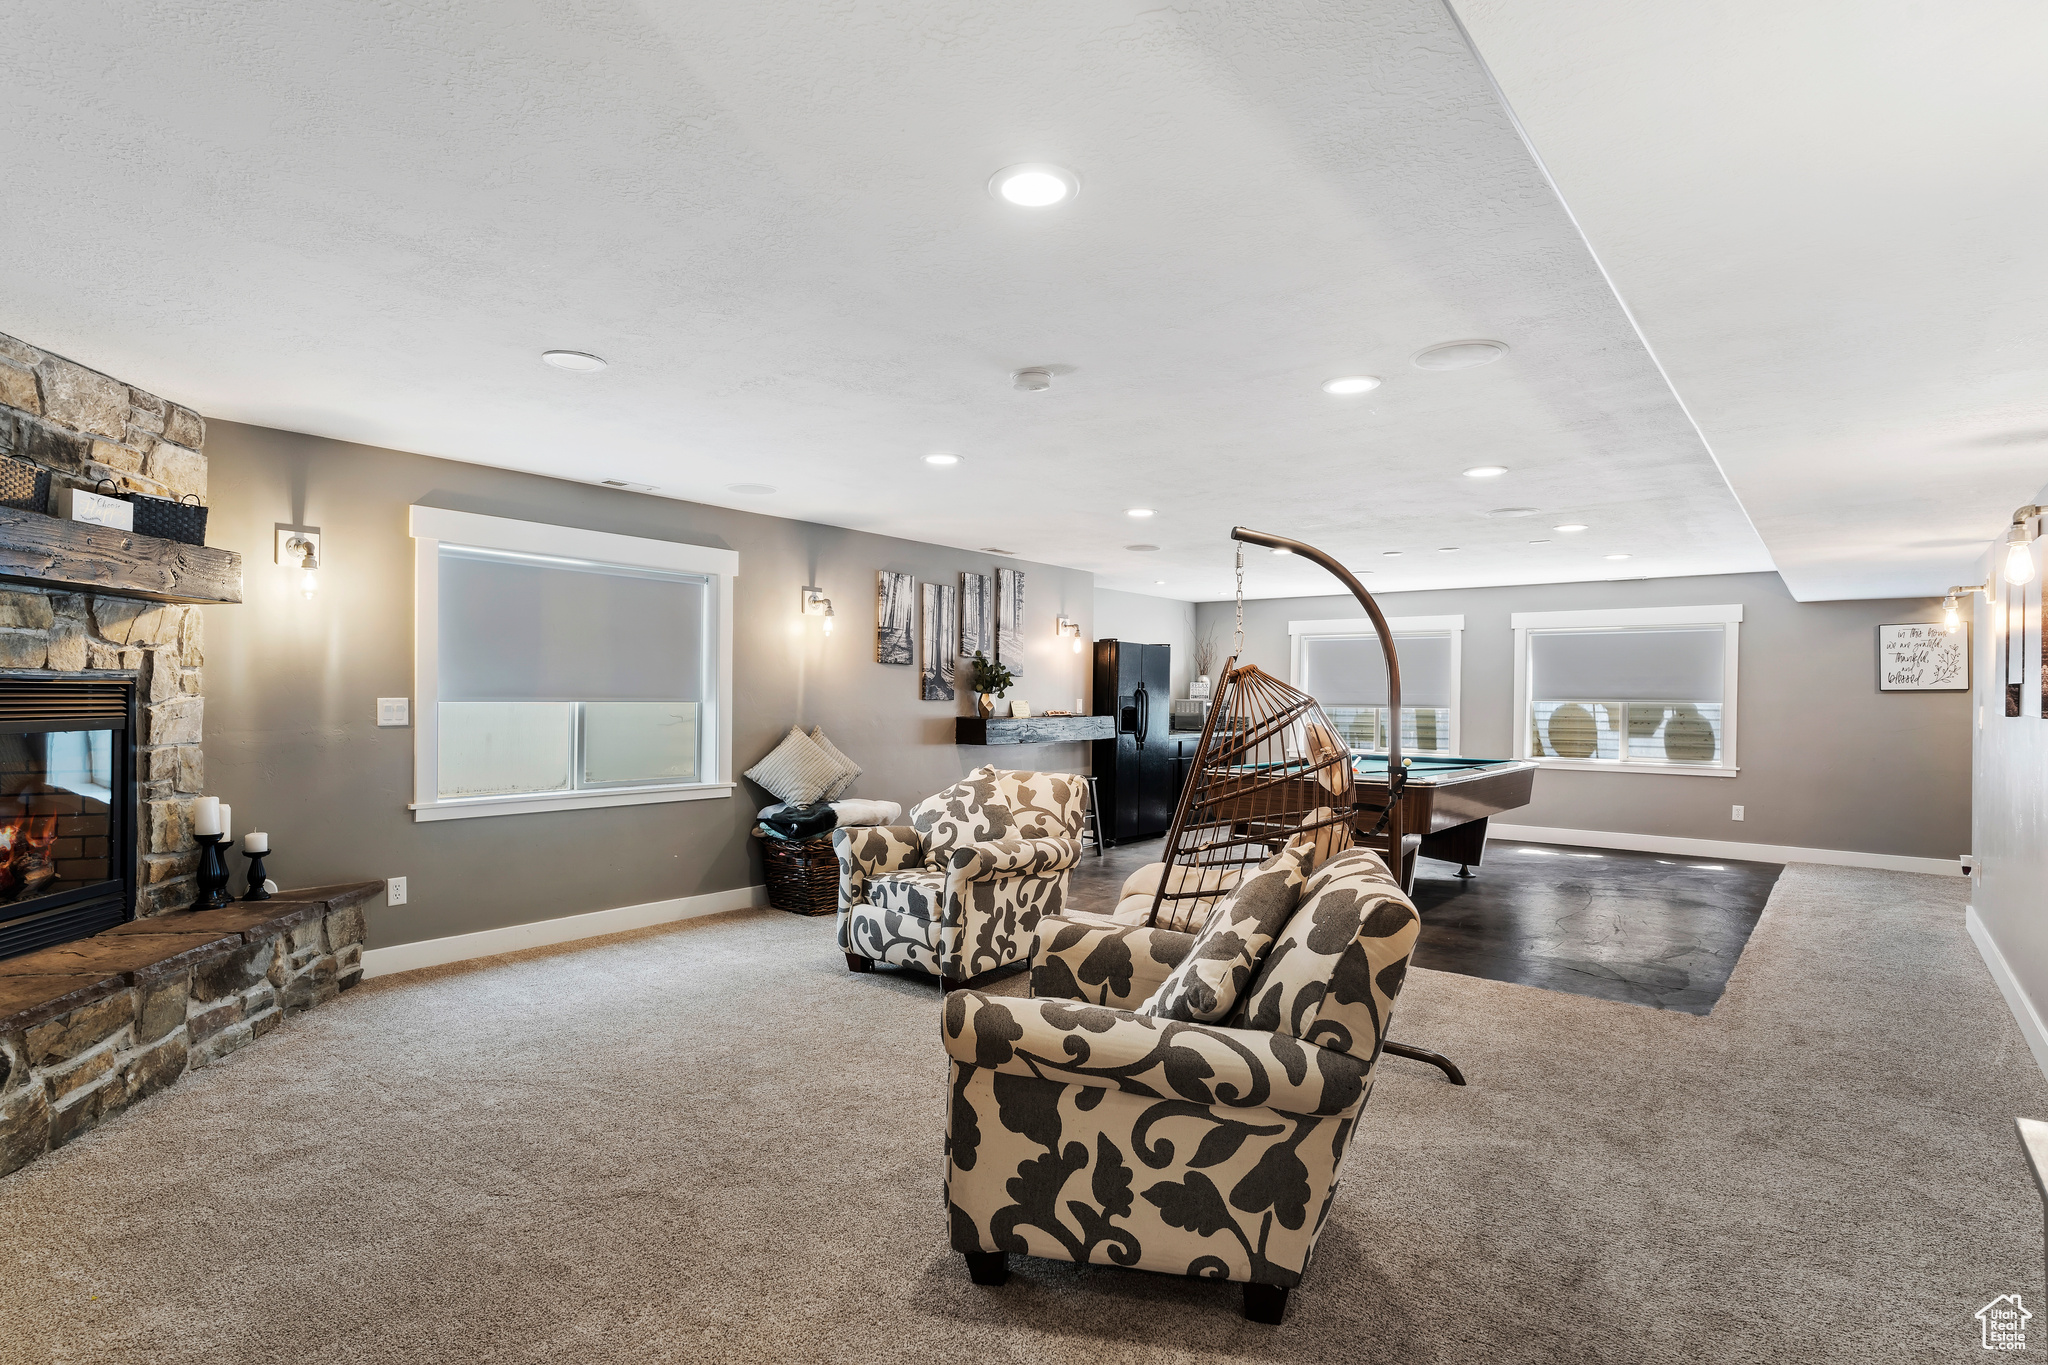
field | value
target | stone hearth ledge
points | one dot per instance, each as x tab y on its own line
89	1028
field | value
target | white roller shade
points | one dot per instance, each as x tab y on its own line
1352	670
523	628
1628	665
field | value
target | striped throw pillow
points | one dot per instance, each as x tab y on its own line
797	770
849	769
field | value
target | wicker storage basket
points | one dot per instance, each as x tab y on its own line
167	519
803	874
24	486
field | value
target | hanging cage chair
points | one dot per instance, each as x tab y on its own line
1270	767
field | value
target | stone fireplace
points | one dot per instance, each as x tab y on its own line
111	985
85	427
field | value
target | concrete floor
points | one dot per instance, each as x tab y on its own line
1639	928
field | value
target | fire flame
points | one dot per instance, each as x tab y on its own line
25	854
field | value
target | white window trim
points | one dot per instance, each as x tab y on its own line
1360	627
432	525
1728	615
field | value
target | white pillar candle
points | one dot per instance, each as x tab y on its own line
206	815
227	823
256	841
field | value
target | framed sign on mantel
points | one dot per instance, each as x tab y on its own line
1922	657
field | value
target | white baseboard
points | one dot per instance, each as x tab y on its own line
1723	848
433	952
2023	1011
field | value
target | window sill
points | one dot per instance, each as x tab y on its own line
531	805
1609	765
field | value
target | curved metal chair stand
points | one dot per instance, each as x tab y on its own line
1270	766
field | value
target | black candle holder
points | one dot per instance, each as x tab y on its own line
213	874
257	890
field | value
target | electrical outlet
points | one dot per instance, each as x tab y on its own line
394	891
1735	813
394	710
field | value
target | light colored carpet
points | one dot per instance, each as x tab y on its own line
710	1142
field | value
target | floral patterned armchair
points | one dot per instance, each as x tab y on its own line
1080	1130
960	890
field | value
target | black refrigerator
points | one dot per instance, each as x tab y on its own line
1136	776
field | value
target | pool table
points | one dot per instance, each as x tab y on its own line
1443	811
1447	802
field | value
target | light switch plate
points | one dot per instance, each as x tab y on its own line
394	710
1737	815
394	891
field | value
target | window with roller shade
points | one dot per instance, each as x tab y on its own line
1653	694
1346	672
560	676
559	680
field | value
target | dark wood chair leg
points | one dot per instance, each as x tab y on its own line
1423	1054
856	963
992	1267
1264	1303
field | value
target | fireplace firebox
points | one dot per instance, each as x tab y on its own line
68	807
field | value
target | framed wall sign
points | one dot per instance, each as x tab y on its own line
1922	657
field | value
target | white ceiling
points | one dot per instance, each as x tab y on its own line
1828	218
367	222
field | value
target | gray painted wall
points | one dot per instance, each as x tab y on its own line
1827	761
291	686
1149	621
2010	806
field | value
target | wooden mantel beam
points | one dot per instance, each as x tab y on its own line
73	556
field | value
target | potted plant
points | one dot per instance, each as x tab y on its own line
990	680
1205	659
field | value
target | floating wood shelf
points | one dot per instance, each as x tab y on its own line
1032	729
45	552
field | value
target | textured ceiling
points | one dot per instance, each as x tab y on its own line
1828	219
367	221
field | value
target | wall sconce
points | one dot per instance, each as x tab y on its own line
298	547
1951	608
1072	628
815	603
2019	560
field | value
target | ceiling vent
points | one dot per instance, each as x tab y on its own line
1460	355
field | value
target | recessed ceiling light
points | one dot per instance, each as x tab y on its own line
1034	185
1460	355
1137	511
1350	384
582	362
1282	550
1158	582
752	490
942	459
1486	471
1570	528
1512	512
1141	548
1617	556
